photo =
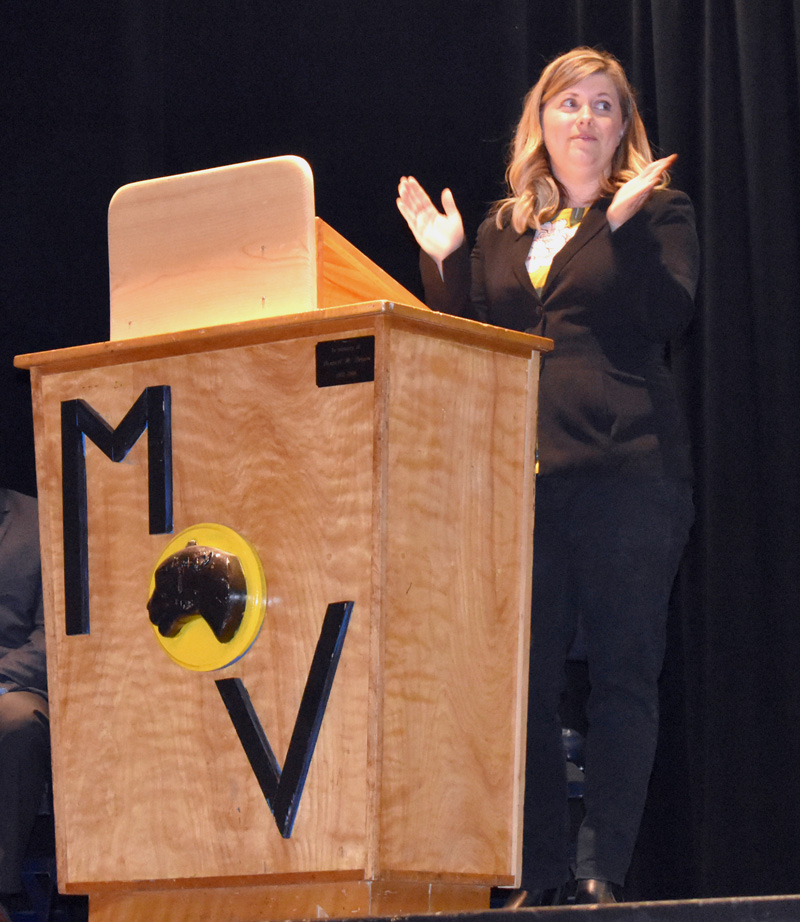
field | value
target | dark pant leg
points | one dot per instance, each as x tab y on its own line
24	768
629	540
545	849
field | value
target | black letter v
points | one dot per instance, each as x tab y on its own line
283	788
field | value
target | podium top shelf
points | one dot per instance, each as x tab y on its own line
325	322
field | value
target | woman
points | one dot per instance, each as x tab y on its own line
591	249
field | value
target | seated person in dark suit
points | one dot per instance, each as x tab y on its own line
24	723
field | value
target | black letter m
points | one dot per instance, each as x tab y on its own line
152	412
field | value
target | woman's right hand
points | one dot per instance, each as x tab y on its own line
438	234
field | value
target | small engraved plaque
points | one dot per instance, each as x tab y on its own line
345	361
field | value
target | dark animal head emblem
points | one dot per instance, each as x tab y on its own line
199	581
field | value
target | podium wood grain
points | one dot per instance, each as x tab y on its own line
411	495
234	242
230	244
298	901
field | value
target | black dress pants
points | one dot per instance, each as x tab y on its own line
24	769
606	552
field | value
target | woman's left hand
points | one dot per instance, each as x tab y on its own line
630	197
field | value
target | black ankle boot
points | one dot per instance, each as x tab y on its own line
592	890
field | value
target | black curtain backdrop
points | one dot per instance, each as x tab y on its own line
98	94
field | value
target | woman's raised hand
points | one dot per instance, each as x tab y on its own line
438	234
630	197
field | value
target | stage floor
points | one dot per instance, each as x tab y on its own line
735	909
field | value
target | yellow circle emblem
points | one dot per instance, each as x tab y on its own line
208	596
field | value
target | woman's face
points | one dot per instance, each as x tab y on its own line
582	126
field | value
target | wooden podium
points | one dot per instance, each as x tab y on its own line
374	453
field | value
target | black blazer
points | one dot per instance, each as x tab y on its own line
607	402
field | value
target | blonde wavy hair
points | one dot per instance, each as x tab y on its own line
535	195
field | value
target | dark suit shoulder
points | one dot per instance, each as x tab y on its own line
20	509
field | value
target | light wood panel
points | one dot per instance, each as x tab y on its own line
230	244
458	535
300	901
411	495
346	276
327	322
152	774
227	244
